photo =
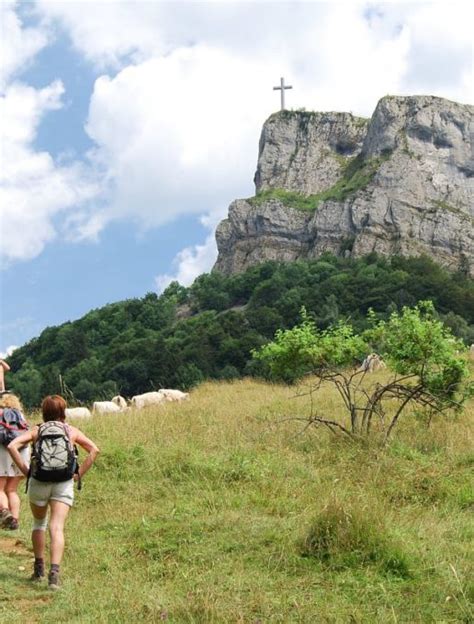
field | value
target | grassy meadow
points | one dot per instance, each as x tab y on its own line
216	511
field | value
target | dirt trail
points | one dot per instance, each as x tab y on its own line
11	546
20	600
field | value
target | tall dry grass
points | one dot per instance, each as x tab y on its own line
220	510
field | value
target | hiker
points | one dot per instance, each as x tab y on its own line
3	369
51	480
12	423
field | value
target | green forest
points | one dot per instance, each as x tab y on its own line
208	330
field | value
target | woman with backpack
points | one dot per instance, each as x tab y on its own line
51	476
12	423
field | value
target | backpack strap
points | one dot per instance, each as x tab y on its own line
67	430
28	476
79	480
11	427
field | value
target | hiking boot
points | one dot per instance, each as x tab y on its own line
38	572
53	580
5	518
12	524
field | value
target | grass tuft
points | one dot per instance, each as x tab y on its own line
347	536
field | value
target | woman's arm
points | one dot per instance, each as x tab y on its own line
89	446
14	449
4	365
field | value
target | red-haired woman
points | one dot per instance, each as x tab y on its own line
58	496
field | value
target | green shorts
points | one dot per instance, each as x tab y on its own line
41	492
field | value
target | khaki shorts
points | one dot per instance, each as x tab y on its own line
41	492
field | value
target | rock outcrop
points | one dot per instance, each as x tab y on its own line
399	183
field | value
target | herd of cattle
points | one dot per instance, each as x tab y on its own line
119	404
372	363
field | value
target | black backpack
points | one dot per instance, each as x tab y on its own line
54	457
12	424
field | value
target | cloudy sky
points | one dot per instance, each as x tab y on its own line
127	128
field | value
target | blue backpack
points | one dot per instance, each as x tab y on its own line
12	424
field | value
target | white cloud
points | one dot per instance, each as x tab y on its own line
192	261
440	58
178	134
189	263
107	33
8	351
18	45
348	54
33	189
115	34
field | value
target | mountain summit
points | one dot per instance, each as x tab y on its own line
401	182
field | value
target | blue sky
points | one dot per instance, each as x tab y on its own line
129	127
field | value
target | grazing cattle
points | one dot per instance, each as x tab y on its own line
78	412
149	398
373	362
120	401
174	395
104	407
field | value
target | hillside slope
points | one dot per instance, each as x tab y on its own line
209	330
202	513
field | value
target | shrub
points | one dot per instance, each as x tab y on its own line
429	373
347	537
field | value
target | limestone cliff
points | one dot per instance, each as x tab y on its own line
399	183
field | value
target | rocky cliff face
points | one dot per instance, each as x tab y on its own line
399	183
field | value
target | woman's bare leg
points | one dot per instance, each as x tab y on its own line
3	495
38	535
59	512
12	495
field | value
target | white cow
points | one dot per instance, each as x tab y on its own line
149	398
471	352
174	395
104	407
373	362
120	401
78	412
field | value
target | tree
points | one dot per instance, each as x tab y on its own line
427	372
264	319
86	391
424	352
27	385
188	375
217	321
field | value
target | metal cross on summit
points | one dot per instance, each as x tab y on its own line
282	88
